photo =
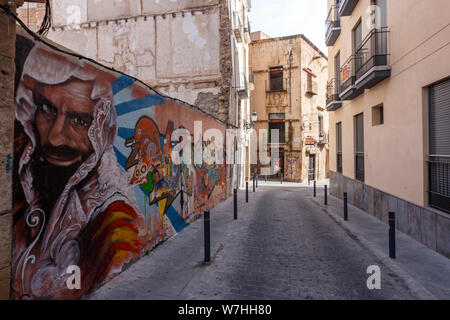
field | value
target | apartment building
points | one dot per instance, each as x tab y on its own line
193	50
290	75
388	96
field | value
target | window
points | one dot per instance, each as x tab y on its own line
277	122
276	78
439	140
359	147
377	115
339	146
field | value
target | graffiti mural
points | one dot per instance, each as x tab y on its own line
95	185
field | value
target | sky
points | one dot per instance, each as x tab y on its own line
278	18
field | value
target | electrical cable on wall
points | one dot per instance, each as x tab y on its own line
45	27
47	21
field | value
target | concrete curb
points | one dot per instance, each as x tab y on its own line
414	286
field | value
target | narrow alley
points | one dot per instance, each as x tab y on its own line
282	246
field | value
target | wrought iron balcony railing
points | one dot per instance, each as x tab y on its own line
373	52
333	101
348	73
332	91
333	26
348	90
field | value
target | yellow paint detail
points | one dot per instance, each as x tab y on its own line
114	216
120	256
162	205
123	234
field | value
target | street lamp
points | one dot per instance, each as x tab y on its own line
254	116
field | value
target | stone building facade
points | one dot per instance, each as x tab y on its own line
290	75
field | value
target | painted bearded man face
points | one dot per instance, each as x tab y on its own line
63	116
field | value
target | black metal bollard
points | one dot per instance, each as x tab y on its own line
392	235
314	188
345	207
326	191
254	184
257	181
235	203
207	238
246	191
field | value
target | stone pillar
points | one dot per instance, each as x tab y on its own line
7	68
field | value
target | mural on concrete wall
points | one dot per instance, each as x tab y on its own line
95	186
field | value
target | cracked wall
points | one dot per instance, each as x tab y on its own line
180	48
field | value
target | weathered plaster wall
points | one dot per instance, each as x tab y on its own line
161	6
7	53
181	48
314	105
123	195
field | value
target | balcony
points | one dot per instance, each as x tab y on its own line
372	60
333	100
348	90
237	27
346	7
333	26
311	87
242	87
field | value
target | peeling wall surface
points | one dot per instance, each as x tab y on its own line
174	46
94	181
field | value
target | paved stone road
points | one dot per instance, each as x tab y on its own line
283	246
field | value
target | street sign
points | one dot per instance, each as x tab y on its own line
309	141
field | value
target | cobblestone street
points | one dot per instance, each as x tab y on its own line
283	246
